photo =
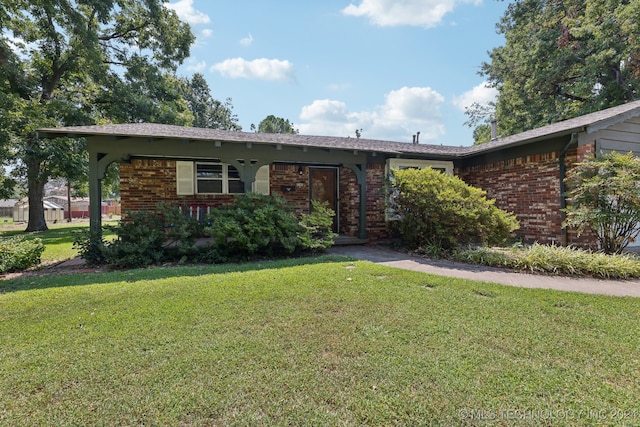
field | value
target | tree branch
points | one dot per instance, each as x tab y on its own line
122	34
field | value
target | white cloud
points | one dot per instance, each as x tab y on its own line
261	69
482	94
325	110
196	67
246	41
185	11
389	13
206	33
405	112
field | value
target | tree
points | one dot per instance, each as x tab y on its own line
604	196
273	124
71	62
480	117
207	111
562	59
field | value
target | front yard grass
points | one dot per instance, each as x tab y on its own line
58	240
315	341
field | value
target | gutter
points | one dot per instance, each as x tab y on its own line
563	188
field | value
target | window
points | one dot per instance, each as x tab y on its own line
444	166
215	178
218	178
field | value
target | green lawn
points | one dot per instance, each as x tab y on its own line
311	342
58	240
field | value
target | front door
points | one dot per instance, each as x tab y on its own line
323	187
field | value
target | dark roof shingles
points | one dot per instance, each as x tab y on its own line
161	131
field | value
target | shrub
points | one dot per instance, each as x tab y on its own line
139	243
181	231
254	225
144	238
317	227
604	196
19	253
90	246
436	209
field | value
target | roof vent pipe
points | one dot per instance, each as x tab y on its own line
494	129
418	138
414	139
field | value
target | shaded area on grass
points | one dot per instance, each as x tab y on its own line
154	273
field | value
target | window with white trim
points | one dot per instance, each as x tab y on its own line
216	178
400	164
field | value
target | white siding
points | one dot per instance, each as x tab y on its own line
622	137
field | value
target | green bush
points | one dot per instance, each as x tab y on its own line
90	246
19	253
436	209
181	231
144	238
317	227
139	243
254	225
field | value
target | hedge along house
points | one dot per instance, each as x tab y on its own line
201	168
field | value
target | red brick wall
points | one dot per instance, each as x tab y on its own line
376	224
144	183
529	187
349	202
286	181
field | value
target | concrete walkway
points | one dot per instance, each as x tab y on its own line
396	259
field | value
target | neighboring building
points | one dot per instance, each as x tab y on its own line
52	211
79	206
200	168
6	207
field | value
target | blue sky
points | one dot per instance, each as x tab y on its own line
391	68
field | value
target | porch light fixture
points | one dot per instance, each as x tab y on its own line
300	170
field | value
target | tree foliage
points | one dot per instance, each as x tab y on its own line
273	124
604	196
70	62
562	59
207	111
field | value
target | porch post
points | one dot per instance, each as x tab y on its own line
95	196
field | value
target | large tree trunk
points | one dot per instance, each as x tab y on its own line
36	194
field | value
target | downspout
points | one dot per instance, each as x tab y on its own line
563	189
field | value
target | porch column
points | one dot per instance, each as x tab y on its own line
95	195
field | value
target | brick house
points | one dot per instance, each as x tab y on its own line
201	168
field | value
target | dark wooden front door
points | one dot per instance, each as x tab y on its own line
323	187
